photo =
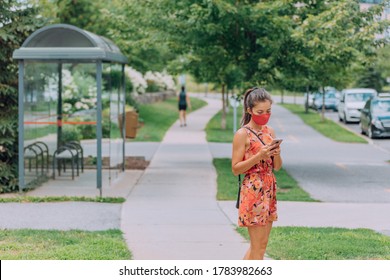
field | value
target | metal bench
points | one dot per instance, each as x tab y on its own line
39	152
72	152
60	156
80	154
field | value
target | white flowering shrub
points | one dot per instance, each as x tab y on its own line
168	81
137	80
79	91
159	81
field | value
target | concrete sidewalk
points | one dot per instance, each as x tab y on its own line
172	212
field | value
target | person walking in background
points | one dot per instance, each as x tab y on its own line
184	101
256	156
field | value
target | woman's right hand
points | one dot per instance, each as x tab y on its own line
265	153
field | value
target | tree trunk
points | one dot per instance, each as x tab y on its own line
323	105
227	102
282	97
307	100
223	120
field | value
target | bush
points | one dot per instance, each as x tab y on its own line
70	133
17	21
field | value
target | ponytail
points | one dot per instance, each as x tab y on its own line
246	117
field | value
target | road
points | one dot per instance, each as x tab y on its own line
383	143
332	171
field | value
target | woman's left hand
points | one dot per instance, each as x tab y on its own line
276	151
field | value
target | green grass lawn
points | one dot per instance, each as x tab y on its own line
159	117
288	188
62	245
37	132
302	243
214	131
327	128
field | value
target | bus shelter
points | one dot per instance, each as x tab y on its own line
71	108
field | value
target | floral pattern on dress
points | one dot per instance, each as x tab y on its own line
258	204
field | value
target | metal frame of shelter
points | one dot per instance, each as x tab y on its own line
63	43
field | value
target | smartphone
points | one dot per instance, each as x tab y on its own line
276	142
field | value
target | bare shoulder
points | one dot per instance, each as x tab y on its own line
240	134
240	137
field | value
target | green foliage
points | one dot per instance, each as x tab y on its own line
305	243
332	37
70	133
17	21
382	63
371	78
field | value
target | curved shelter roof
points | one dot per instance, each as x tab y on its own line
68	42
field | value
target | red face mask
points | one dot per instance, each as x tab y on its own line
261	119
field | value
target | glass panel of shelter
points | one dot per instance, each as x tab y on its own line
60	123
112	111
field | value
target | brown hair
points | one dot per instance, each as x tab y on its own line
251	97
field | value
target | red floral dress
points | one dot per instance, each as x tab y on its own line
258	189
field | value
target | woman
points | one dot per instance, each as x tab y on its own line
257	209
183	100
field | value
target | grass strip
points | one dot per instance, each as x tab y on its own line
27	244
288	188
31	199
305	243
327	127
159	117
214	133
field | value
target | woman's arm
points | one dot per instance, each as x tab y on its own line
276	153
188	102
239	165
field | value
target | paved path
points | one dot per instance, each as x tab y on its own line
60	216
172	212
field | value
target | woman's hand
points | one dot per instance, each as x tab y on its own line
265	153
276	151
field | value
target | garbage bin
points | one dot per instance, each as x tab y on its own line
131	124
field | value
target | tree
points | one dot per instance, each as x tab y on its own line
382	62
228	42
371	78
136	27
333	39
17	21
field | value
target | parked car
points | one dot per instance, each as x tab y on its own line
331	101
375	117
352	102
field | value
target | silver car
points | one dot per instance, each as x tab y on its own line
352	102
